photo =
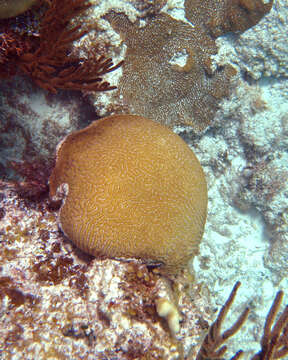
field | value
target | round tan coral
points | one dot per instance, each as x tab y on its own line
11	8
133	189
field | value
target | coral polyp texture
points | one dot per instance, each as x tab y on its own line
133	189
167	73
11	8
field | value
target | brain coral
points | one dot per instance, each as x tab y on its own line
132	189
11	8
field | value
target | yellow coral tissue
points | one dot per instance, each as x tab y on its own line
131	188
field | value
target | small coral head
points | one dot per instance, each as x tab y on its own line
132	189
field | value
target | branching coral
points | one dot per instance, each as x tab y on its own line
48	58
12	46
214	339
274	342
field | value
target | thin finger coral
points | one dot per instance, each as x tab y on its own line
132	189
274	341
213	345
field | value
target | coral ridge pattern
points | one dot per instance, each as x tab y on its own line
132	188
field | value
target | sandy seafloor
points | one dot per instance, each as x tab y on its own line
244	155
242	245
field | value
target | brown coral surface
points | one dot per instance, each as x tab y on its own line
167	74
154	86
219	17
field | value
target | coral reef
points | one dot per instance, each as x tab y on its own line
246	231
262	181
221	17
191	94
167	73
166	309
57	302
48	58
244	155
274	342
260	52
214	339
131	188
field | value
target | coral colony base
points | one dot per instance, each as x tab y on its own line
221	68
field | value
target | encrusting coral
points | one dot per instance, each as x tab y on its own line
11	8
220	17
167	73
131	188
47	56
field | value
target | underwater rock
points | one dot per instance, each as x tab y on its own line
261	185
260	52
220	17
32	123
